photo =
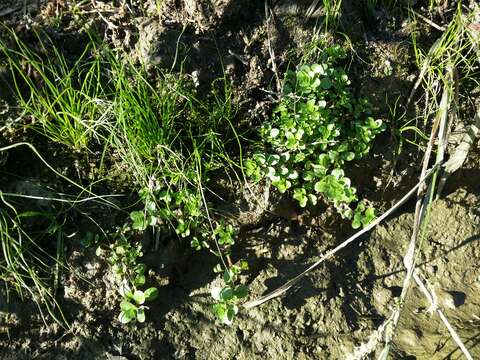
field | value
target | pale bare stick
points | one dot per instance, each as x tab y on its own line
269	15
282	289
430	22
430	295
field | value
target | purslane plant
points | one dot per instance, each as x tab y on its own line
230	294
315	130
129	277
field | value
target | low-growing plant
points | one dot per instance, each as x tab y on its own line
170	139
317	128
129	278
230	294
181	210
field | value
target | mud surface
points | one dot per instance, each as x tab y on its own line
338	306
324	317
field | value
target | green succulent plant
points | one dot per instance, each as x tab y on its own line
317	128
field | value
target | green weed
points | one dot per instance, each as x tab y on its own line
129	277
228	296
316	129
25	266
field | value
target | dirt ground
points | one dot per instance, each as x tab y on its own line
338	306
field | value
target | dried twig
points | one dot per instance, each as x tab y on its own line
430	295
269	16
429	22
282	289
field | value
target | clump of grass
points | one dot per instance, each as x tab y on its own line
330	9
61	98
25	266
166	136
170	140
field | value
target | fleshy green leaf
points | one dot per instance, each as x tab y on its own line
241	291
141	315
151	294
127	306
139	221
139	297
226	293
140	280
126	316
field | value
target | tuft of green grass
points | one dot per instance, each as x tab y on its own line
62	98
168	137
163	134
331	11
25	266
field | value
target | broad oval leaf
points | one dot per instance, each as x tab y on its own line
151	294
139	297
127	306
141	315
241	291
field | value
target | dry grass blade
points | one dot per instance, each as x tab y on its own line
430	295
269	16
421	211
312	9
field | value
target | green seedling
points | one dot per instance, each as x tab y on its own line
132	307
181	209
231	293
129	277
228	296
317	129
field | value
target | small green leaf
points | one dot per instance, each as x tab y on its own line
139	221
99	251
220	310
139	297
228	276
139	280
127	306
243	265
230	315
274	132
320	186
151	294
348	156
318	69
126	316
141	315
226	293
300	194
356	222
241	291
326	83
140	269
